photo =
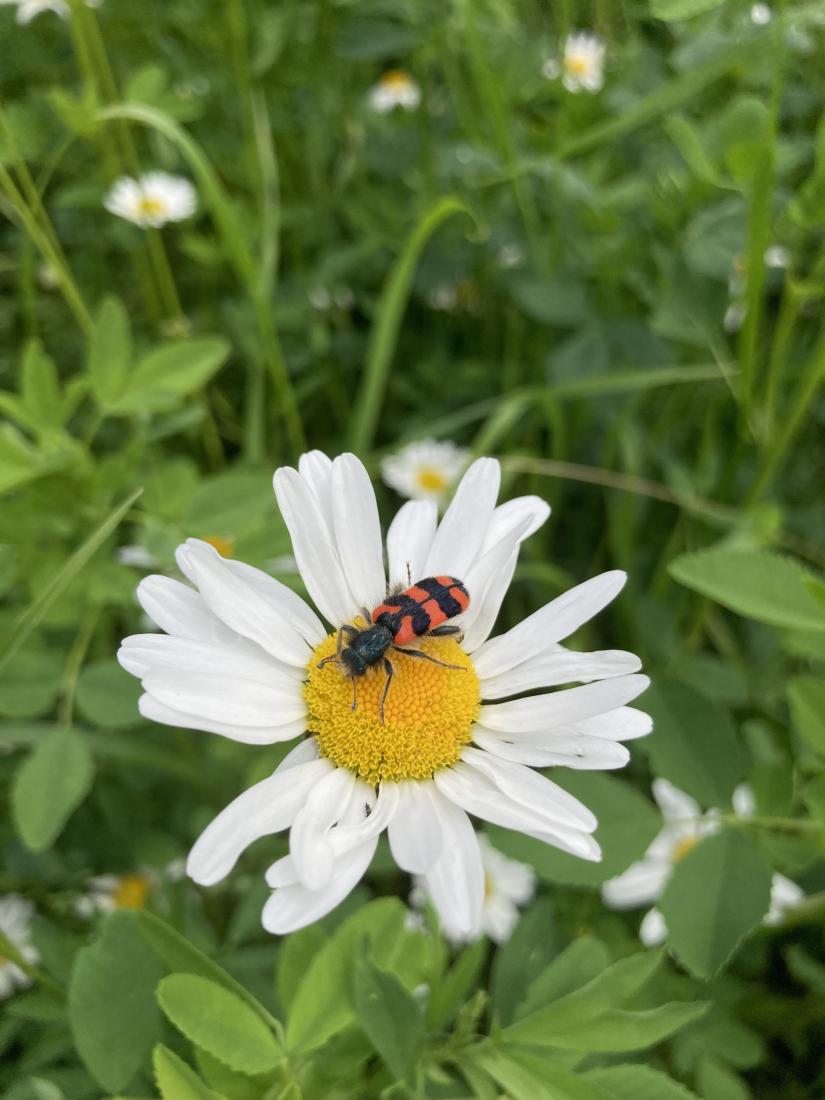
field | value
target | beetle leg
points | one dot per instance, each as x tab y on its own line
389	670
439	631
354	694
350	631
366	615
427	657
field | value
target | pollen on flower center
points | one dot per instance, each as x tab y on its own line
577	65
687	844
150	207
431	479
396	79
428	714
131	892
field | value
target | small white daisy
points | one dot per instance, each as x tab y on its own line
244	657
761	15
394	88
685	825
776	255
29	9
424	470
153	200
508	884
15	922
106	893
582	63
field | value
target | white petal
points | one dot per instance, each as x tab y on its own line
560	666
552	623
294	906
287	603
455	882
558	708
155	711
268	807
180	611
511	516
316	469
621	724
414	832
460	536
675	804
227	699
255	610
409	539
309	842
653	929
640	884
313	546
580	753
358	531
142	652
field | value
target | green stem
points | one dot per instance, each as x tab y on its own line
780	824
10	952
793	300
77	655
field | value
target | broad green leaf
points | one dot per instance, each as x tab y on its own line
29	683
176	1080
19	460
454	987
606	991
236	1086
758	584
637	1083
110	352
296	953
718	1082
527	1076
112	1011
694	743
527	953
806	969
229	504
40	387
390	1017
627	824
806	695
181	956
171	371
673	11
620	1031
715	895
580	962
220	1022
107	696
49	785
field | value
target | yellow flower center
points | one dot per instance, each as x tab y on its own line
396	80
131	892
428	714
685	845
577	65
151	207
225	547
431	479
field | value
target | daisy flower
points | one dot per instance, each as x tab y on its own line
582	63
106	893
507	885
15	923
424	470
244	657
28	9
761	15
685	825
394	88
153	200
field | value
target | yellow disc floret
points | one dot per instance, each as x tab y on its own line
428	714
131	891
431	479
685	845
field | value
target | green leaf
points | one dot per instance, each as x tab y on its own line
627	824
527	1076
622	1031
606	991
229	504
40	387
29	683
176	1080
758	584
694	743
389	1016
454	988
107	696
806	695
580	962
220	1022
806	969
527	953
296	953
110	352
171	371
673	11
637	1083
715	895
112	1012
49	785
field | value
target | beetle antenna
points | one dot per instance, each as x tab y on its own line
409	575
354	693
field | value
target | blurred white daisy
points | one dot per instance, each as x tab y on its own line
776	255
106	893
394	88
508	884
761	15
685	825
153	200
244	657
15	923
28	9
582	63
424	470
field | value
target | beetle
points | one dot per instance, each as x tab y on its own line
419	611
